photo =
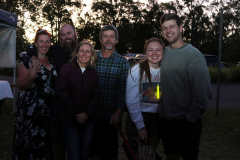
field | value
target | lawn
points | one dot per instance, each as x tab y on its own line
220	135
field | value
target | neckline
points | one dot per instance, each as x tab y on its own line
50	65
154	68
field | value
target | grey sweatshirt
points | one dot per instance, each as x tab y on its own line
186	84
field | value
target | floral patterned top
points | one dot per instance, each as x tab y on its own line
31	139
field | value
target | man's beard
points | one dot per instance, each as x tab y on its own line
108	48
69	47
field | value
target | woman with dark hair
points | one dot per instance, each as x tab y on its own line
31	139
77	89
143	94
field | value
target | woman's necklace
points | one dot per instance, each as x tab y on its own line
155	77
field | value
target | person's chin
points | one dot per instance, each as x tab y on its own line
68	43
108	48
68	48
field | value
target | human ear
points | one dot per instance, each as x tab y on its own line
181	28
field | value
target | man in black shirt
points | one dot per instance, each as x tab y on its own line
61	55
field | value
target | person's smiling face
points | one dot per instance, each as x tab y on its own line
43	44
68	39
108	40
84	55
154	54
171	31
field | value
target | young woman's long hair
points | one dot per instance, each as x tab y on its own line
144	65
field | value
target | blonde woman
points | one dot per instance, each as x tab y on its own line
78	90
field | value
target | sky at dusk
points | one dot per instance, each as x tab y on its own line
30	33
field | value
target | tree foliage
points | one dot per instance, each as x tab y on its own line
135	21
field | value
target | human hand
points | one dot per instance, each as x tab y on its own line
36	63
117	116
142	133
32	71
82	117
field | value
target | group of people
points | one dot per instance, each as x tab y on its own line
71	96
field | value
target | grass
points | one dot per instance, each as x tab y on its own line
6	130
220	136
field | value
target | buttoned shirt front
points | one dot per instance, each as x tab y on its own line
112	72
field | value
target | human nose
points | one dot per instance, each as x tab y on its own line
84	53
108	38
168	29
155	52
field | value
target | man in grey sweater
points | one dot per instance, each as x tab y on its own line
186	91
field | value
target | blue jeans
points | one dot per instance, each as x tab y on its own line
77	138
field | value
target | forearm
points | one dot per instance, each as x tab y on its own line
25	77
119	111
201	92
24	84
93	107
63	93
133	99
68	106
136	116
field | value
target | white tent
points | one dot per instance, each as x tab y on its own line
8	24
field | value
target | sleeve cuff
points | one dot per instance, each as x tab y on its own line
140	125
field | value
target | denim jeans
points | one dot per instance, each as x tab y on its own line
77	138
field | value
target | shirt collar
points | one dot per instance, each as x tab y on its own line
113	55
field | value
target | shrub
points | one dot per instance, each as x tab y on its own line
227	75
235	74
214	74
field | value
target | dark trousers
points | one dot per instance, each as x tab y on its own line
77	139
105	141
58	151
181	137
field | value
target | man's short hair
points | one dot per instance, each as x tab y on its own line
107	28
68	25
170	16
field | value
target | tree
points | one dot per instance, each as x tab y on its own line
57	13
231	18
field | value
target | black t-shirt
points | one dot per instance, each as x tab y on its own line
59	56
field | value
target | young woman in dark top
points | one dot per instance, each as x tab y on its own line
77	89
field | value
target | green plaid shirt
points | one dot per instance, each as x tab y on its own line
112	73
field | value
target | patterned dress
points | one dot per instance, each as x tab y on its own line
31	138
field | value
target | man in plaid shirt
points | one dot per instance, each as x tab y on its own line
112	70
